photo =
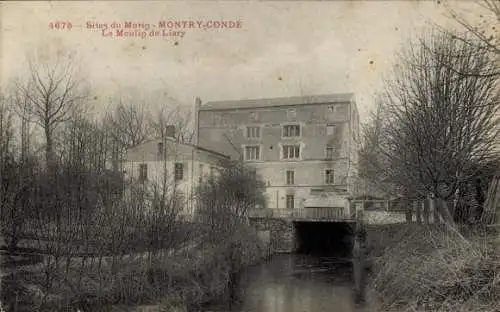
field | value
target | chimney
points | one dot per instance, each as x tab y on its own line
170	131
197	105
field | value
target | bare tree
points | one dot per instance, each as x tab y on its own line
128	125
6	128
21	105
484	27
54	91
6	160
176	117
224	200
439	126
85	144
369	156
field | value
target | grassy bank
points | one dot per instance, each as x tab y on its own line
429	268
179	279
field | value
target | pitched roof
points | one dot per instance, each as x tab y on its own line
173	141
281	101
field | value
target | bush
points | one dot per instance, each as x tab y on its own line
186	278
437	269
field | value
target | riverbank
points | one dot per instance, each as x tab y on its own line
431	268
177	280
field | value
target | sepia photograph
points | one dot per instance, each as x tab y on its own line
250	156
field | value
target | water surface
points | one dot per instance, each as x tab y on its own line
294	283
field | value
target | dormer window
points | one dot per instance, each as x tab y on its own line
291	113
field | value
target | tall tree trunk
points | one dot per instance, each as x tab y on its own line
480	199
442	206
49	147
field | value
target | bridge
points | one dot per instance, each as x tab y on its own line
367	211
291	230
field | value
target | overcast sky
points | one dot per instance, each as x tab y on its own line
283	48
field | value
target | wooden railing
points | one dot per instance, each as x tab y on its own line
406	210
336	213
371	211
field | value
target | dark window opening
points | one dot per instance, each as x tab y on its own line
143	172
290	201
290	177
329	176
291	151
291	131
179	171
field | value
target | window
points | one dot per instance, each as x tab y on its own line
253	132
291	151
290	201
161	149
201	173
180	199
331	109
252	173
291	113
143	172
252	116
291	131
330	130
252	152
179	171
329	152
290	177
316	191
329	176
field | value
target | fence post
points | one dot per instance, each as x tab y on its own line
408	211
435	211
426	210
418	211
348	210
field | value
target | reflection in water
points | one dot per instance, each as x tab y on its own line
295	283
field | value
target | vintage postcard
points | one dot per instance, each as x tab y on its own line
249	155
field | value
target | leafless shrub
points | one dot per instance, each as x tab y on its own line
437	269
223	201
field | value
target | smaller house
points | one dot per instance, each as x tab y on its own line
165	163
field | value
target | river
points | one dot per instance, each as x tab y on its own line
294	283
